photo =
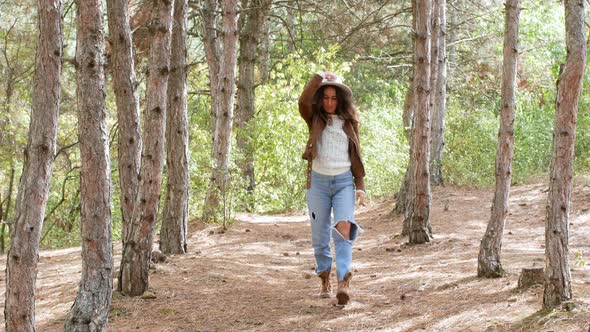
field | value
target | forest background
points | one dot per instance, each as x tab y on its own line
369	43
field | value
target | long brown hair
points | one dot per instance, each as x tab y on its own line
345	109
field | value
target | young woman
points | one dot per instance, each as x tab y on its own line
335	176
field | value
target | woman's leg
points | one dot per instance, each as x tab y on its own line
319	205
345	230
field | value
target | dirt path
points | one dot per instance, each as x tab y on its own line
258	276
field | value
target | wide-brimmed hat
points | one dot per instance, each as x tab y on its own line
338	83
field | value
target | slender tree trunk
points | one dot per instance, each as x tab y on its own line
223	120
23	255
264	52
291	26
434	51
127	99
6	212
439	109
90	311
249	37
213	54
557	270
451	50
403	203
420	227
489	263
136	255
174	223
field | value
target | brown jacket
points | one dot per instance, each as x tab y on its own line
316	126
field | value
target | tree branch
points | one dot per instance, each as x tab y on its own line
63	149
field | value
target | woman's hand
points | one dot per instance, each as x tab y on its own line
360	197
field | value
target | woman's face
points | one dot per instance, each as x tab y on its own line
330	100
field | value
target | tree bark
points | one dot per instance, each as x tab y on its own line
557	271
23	255
127	99
134	278
90	311
264	52
226	87
420	220
489	263
174	222
403	204
249	38
439	97
213	50
434	51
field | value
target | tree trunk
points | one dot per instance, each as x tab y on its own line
557	270
135	260
439	97
451	50
127	99
90	311
420	221
223	120
6	212
213	49
408	200
291	26
403	204
402	195
434	50
23	255
249	37
264	52
489	264
174	222
212	46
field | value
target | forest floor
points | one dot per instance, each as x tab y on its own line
258	275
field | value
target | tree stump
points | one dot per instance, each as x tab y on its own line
530	277
158	257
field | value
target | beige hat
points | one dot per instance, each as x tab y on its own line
337	82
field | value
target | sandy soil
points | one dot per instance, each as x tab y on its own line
258	275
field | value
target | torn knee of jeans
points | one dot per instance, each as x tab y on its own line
348	221
352	233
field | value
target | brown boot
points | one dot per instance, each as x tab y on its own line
326	288
343	293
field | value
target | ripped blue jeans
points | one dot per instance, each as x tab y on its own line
329	193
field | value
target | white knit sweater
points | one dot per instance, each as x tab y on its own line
333	157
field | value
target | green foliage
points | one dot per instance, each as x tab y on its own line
385	149
470	148
199	141
579	259
533	129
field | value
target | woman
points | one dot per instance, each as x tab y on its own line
335	175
